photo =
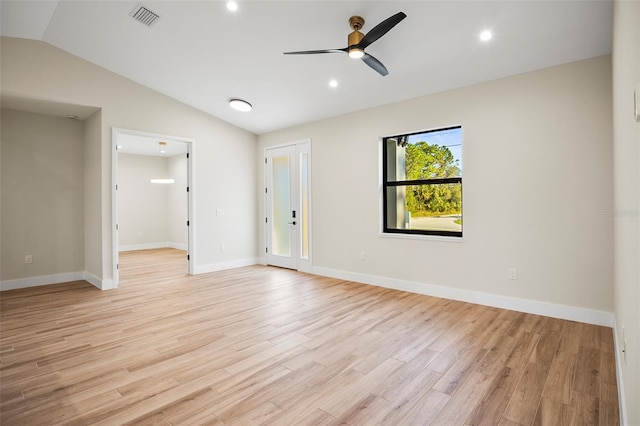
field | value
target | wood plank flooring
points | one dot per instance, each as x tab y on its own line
269	346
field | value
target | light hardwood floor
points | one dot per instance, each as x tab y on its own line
261	345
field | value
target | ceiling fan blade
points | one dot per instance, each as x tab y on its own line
313	52
381	29
375	64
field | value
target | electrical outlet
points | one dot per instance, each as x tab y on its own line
513	274
28	258
363	256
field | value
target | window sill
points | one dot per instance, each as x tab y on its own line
422	237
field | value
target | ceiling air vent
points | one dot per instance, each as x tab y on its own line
144	15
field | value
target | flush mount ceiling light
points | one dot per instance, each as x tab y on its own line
240	105
163	147
333	83
232	6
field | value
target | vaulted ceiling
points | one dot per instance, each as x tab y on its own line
203	54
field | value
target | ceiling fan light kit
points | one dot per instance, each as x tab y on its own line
358	42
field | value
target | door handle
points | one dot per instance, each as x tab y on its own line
292	223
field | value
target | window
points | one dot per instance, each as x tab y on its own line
422	183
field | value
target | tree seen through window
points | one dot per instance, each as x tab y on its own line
423	183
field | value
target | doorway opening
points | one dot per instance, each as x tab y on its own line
153	197
288	206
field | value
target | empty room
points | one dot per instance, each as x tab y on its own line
320	212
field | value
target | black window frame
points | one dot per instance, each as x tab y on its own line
386	184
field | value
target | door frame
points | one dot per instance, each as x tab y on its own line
303	265
191	195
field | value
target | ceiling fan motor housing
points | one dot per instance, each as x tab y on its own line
356	23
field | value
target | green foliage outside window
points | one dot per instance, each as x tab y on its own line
424	161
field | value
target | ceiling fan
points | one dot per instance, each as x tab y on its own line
358	41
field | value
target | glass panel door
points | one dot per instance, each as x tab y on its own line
280	225
281	205
288	206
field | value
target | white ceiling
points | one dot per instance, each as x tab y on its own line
202	54
150	145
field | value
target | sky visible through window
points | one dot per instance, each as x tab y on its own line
451	138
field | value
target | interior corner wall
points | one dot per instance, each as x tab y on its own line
142	205
537	182
226	152
42	195
92	200
626	212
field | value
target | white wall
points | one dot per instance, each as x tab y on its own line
152	215
537	183
42	195
223	153
626	212
142	205
177	210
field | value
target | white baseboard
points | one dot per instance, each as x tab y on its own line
221	266
56	279
144	246
621	397
97	282
151	246
178	246
572	313
41	280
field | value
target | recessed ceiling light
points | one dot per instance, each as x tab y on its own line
486	35
232	6
333	83
240	105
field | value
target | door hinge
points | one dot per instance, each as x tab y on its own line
187	155
187	223
116	187
265	190
266	220
188	257
187	189
117	266
117	227
265	160
266	249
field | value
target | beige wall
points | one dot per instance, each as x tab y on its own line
42	195
93	215
626	212
537	183
223	153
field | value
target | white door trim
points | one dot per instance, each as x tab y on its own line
302	146
115	134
